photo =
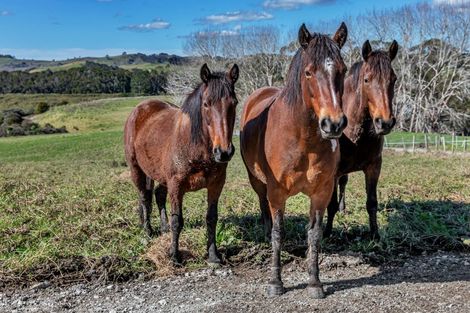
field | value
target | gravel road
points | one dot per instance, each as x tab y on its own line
432	283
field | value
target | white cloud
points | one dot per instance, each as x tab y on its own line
223	32
147	27
237	16
452	2
5	13
292	4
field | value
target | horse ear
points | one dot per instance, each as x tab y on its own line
341	35
304	36
366	50
233	74
393	50
205	73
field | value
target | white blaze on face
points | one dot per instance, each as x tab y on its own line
334	144
329	68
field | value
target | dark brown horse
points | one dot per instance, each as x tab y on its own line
367	102
183	150
289	145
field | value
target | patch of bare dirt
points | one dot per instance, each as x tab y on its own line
429	283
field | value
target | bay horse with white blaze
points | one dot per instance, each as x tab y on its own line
183	150
367	102
289	143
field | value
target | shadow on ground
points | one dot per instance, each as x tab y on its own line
411	228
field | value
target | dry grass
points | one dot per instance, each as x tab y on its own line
158	254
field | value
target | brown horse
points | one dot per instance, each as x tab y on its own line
367	102
183	150
289	145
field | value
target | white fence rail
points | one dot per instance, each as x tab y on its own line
430	142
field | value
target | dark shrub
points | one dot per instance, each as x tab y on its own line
12	117
41	107
16	130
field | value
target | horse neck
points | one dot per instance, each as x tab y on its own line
302	118
192	150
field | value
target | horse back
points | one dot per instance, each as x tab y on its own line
149	121
257	102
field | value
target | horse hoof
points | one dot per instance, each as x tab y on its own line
274	289
316	292
214	265
214	262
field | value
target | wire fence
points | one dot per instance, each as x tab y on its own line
429	142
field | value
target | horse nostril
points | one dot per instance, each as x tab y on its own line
325	125
231	150
217	151
378	123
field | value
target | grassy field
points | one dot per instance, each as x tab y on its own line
29	101
77	64
67	207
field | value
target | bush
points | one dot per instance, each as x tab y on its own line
41	107
12	117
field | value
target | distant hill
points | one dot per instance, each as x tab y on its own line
126	61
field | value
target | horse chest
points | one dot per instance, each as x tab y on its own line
310	173
198	179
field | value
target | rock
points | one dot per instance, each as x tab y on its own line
41	285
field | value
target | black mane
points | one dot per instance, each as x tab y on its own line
320	47
218	87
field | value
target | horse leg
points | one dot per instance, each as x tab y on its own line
332	209
213	193
317	209
343	180
145	186
176	200
261	190
160	196
372	174
277	204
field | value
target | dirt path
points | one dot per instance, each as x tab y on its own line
436	283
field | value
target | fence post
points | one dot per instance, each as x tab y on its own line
413	146
453	142
437	145
403	143
443	142
386	142
464	144
426	142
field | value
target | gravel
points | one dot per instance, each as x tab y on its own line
430	283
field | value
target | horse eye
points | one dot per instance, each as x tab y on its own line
366	80
205	104
308	74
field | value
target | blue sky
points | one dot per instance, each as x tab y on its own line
59	29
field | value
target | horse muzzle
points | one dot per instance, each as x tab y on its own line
383	127
223	156
330	129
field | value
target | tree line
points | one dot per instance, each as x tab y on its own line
89	78
432	93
